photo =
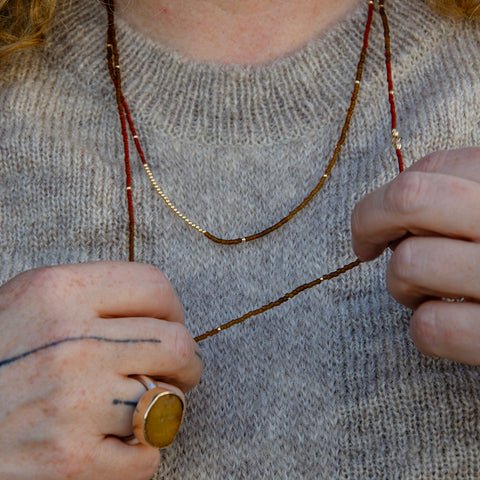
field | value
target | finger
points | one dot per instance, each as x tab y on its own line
417	203
113	414
463	163
423	267
116	460
123	289
161	349
448	330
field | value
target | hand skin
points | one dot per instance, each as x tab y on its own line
430	216
64	407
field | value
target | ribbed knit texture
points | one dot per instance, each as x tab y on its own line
329	385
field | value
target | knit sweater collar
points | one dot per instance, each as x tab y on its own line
288	98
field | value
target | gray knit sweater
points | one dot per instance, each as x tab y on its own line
329	385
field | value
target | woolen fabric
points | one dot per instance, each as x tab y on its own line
328	385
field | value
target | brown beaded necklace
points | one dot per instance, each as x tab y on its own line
126	123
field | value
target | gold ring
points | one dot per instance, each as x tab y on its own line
158	414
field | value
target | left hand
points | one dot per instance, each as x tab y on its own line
430	216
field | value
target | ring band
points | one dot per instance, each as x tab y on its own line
158	414
453	299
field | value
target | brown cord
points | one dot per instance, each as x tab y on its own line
125	117
278	302
114	69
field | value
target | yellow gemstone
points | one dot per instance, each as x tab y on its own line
163	419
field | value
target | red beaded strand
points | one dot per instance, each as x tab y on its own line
125	118
388	63
114	70
124	111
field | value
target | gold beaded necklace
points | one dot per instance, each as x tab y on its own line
126	123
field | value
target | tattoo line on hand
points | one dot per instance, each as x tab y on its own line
7	361
117	401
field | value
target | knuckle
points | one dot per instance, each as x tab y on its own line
52	285
156	275
183	345
39	293
149	466
433	161
424	329
70	458
161	282
44	282
405	261
407	193
356	222
74	355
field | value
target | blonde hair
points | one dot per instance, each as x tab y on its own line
23	23
457	8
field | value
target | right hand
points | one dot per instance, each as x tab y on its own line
428	215
70	337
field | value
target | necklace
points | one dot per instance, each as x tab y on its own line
127	125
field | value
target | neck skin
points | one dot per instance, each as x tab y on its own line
245	32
